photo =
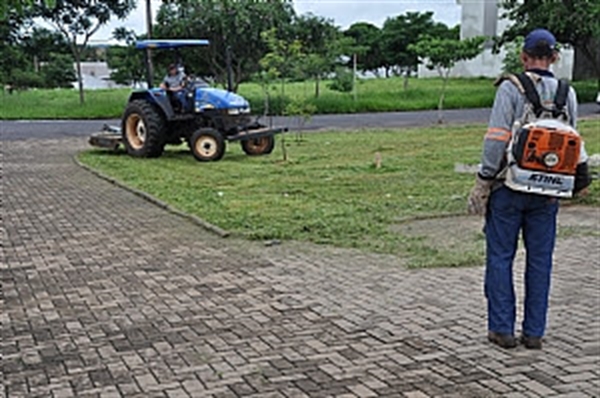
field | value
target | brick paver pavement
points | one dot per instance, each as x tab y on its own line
106	295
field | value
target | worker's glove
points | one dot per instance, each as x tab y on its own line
478	198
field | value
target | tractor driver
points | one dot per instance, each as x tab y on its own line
174	80
174	83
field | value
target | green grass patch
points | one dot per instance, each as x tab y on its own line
64	104
570	231
329	191
380	95
373	95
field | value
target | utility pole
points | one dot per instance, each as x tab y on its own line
149	34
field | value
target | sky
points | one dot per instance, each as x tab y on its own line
343	13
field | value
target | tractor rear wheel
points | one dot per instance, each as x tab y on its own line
144	130
207	145
258	146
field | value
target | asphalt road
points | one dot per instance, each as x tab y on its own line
51	129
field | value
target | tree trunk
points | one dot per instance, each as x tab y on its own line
77	55
442	95
267	100
354	76
593	58
229	68
317	80
237	79
283	148
281	98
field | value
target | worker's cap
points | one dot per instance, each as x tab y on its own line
540	43
172	66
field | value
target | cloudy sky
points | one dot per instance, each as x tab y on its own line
343	12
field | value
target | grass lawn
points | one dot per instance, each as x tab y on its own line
373	95
329	190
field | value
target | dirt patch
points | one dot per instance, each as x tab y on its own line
450	241
452	232
586	218
465	233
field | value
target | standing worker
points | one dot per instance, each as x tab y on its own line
508	209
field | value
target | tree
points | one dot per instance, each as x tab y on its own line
343	80
350	49
512	60
367	36
573	22
277	63
78	20
40	44
443	54
230	26
12	58
126	63
19	6
31	56
318	37
313	66
58	71
400	32
281	58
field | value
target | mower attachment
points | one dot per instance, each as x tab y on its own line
110	137
256	133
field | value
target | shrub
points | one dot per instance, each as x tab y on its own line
26	79
512	60
342	81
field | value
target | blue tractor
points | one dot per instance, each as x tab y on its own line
204	117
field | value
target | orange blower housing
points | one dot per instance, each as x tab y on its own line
548	149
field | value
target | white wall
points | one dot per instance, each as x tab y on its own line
95	75
482	18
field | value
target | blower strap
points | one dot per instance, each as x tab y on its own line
560	98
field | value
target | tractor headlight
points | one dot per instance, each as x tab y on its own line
233	111
550	159
204	107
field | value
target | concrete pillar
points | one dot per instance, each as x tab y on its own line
483	18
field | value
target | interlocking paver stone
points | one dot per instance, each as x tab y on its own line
105	294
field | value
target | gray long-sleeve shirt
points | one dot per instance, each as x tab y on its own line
508	108
174	81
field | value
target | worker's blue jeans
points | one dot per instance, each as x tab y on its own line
510	212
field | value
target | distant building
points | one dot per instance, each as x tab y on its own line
484	18
96	75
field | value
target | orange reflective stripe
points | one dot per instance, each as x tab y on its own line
498	134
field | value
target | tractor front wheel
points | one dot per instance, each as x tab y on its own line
258	146
143	130
207	145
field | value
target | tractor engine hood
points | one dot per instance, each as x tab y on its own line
214	98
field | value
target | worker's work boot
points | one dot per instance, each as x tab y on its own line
532	343
502	340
